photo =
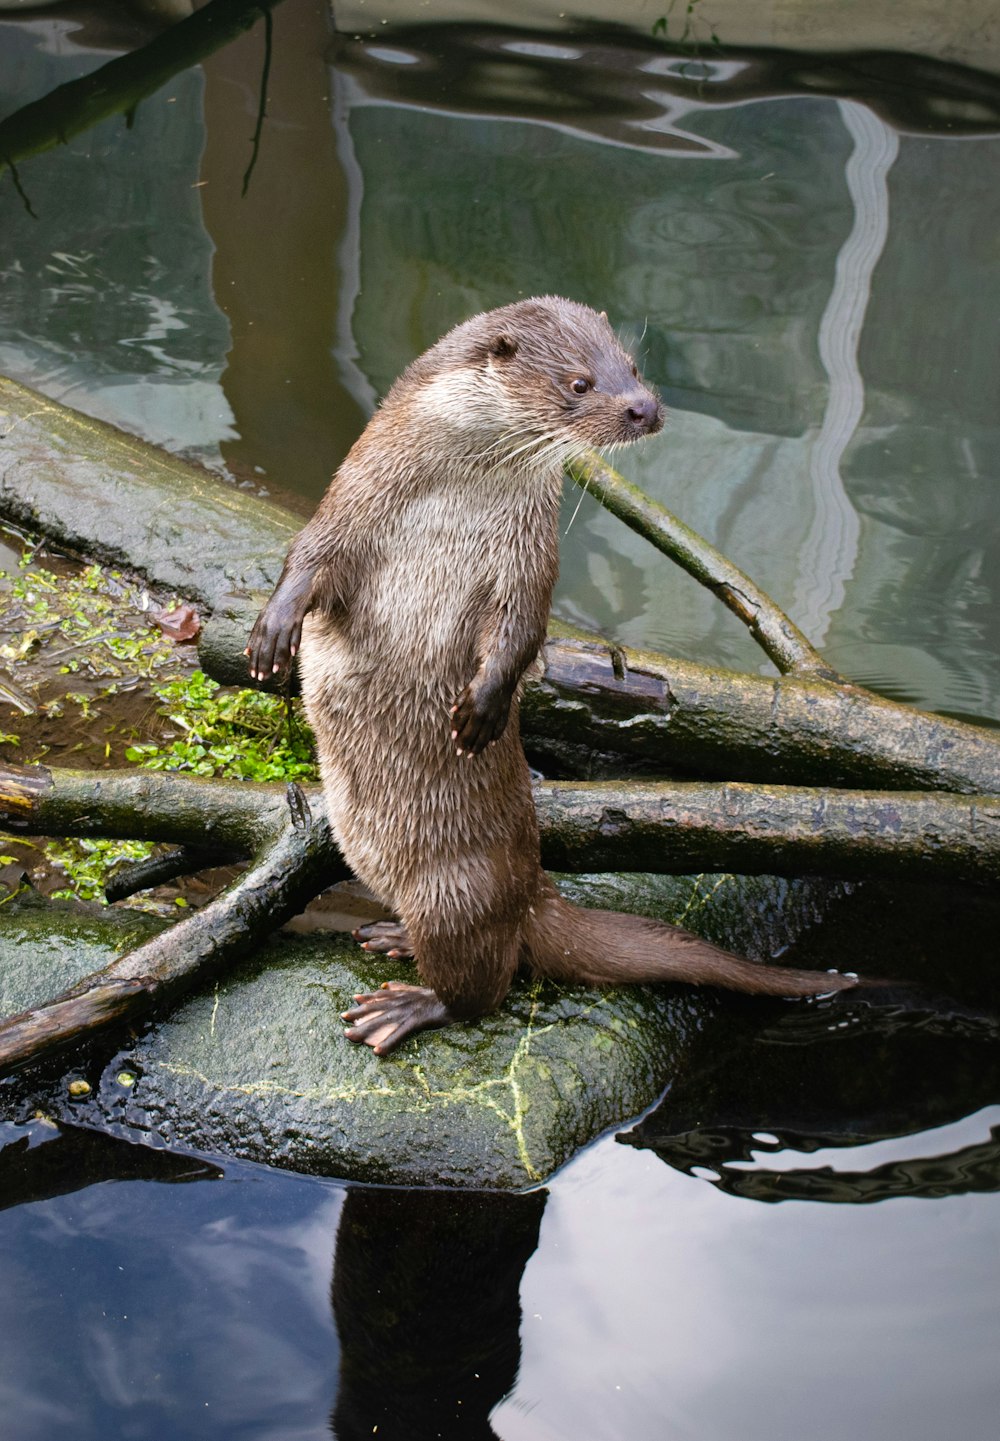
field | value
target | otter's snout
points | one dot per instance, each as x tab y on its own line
644	413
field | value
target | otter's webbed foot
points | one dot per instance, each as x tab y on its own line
396	1011
390	937
479	716
277	631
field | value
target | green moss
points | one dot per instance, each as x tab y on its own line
87	864
90	626
98	612
242	735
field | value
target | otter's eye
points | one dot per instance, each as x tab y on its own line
635	372
579	386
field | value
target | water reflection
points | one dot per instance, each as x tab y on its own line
132	1307
221	1303
801	242
104	289
426	1296
861	1098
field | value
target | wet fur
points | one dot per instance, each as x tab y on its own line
421	588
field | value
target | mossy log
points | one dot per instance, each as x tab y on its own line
657	827
291	854
594	703
101	493
769	830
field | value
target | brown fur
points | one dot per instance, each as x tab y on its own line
421	588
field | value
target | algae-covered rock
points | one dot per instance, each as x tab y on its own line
256	1065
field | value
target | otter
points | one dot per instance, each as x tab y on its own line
416	598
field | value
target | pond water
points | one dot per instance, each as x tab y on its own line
804	250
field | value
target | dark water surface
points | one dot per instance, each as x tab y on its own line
805	250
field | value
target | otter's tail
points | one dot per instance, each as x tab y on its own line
609	948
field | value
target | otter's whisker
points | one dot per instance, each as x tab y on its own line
516	432
576	511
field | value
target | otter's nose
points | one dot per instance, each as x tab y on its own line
644	412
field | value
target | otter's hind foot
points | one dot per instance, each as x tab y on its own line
392	1013
390	937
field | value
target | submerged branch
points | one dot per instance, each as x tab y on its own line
778	637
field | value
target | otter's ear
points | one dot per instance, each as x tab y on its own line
503	347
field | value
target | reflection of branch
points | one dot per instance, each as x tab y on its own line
117	87
262	101
782	641
972	1170
20	188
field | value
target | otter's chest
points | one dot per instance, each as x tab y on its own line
447	564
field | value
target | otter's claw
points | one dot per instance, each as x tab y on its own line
272	646
277	631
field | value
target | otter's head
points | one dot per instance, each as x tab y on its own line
548	375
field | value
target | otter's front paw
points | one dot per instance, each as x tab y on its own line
275	639
478	718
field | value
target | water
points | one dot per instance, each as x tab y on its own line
805	256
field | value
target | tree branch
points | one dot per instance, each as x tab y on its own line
768	830
610	702
293	858
778	637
